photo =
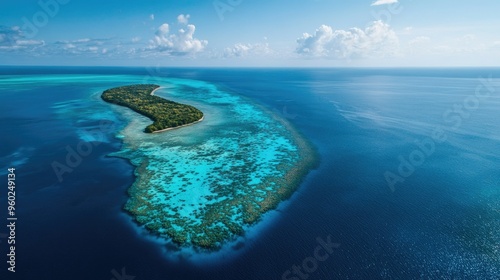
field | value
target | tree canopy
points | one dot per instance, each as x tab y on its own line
164	113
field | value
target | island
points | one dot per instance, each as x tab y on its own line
164	113
203	189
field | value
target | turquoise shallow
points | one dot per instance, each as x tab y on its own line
203	184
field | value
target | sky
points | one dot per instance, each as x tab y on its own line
250	33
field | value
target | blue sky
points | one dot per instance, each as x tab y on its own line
277	33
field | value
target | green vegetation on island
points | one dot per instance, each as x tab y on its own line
164	113
206	192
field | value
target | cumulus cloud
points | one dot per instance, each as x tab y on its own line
163	29
184	19
378	39
13	39
384	2
242	50
180	43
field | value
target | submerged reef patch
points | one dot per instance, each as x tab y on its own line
202	185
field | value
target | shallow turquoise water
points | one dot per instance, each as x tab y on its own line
205	183
201	184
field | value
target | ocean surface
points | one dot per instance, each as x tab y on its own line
408	184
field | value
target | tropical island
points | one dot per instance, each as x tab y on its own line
164	113
204	189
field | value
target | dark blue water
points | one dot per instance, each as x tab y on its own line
442	222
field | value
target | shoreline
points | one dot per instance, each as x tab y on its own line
180	126
171	128
154	90
211	240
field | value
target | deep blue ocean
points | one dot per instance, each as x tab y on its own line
408	183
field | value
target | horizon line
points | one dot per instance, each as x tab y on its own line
249	67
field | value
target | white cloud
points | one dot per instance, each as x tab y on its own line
184	19
180	43
29	43
163	29
378	39
136	39
152	16
242	50
84	40
76	47
384	2
13	39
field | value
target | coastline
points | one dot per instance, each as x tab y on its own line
171	128
154	90
180	126
195	211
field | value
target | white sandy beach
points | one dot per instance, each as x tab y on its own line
171	128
